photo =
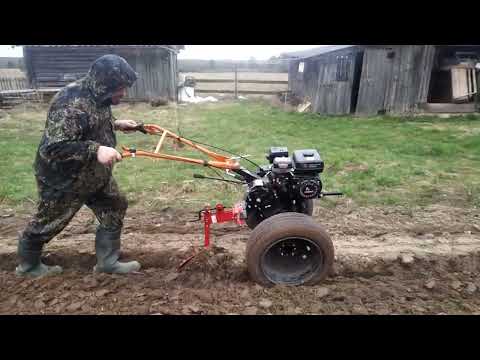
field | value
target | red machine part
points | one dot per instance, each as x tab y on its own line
220	215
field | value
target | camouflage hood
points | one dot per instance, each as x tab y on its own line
108	74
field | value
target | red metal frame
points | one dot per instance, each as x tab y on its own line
212	216
220	215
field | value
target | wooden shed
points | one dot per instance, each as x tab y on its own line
54	66
378	79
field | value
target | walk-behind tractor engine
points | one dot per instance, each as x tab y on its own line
286	246
287	184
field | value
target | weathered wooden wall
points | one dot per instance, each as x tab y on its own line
301	83
58	66
154	68
319	82
333	96
395	79
374	81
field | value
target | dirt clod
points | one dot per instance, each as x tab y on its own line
245	293
101	293
74	306
251	310
193	309
406	259
471	288
265	303
322	292
171	277
204	295
456	284
39	304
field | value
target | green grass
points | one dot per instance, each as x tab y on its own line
374	161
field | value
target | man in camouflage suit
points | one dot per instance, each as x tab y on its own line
73	167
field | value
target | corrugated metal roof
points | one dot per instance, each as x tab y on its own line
173	47
315	51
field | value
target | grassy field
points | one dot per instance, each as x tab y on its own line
375	161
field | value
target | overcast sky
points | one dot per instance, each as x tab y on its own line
238	52
207	52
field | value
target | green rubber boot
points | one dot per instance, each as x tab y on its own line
107	247
30	263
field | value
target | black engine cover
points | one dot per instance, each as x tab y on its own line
277	152
307	161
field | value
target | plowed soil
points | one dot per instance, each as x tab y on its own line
388	261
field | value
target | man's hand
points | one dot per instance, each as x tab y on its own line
108	156
127	126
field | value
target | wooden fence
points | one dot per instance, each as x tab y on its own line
13	83
238	91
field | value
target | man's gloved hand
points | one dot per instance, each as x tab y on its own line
108	156
127	126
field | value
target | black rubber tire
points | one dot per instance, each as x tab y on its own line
285	225
307	209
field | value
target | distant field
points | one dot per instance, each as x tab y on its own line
12	74
241	76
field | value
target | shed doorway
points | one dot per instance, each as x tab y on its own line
453	83
357	75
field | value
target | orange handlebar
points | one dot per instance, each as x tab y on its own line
218	161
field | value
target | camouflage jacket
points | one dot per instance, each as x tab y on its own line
79	121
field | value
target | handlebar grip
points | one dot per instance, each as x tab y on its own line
140	127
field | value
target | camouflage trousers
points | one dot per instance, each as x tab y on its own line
56	209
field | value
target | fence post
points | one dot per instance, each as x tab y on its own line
236	82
